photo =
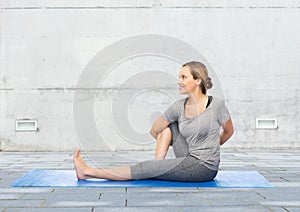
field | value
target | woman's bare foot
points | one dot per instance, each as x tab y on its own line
81	168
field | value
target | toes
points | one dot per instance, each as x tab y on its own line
77	153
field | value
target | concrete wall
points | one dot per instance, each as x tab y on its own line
251	46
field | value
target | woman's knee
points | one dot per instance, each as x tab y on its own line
166	134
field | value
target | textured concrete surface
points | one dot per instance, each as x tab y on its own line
253	47
280	167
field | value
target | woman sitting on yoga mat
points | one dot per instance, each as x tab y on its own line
191	125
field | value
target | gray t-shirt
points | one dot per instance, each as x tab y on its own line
202	133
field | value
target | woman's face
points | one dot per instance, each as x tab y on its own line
187	83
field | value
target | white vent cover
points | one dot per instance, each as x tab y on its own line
266	123
26	125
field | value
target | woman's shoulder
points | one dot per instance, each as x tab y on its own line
176	106
218	101
179	101
182	100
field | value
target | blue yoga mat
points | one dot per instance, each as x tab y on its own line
67	178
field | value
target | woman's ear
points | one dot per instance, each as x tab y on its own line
198	81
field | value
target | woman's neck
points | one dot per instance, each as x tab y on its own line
196	97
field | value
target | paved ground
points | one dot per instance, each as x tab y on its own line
280	167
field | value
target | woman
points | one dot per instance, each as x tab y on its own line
191	125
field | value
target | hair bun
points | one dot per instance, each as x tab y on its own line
208	83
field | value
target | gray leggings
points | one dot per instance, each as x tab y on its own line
182	168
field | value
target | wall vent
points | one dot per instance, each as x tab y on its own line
26	125
266	123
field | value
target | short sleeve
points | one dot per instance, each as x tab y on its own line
172	113
223	113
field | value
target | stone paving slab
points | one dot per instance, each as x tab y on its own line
88	209
21	203
189	209
292	209
280	167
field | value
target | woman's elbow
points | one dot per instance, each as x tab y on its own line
229	129
153	132
231	132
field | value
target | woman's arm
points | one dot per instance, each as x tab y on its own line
227	131
159	125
